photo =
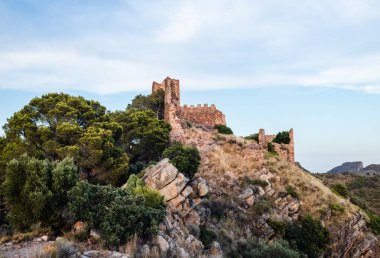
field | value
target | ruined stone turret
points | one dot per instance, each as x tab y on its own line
203	115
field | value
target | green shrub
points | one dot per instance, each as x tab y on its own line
336	207
116	213
308	236
253	137
222	129
278	226
340	189
185	158
277	249
152	198
259	182
36	191
207	236
271	149
262	206
292	191
359	202
374	222
282	137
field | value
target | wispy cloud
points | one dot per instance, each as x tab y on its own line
208	44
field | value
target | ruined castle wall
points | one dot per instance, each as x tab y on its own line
285	151
204	115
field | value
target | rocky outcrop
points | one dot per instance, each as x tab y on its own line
348	167
182	196
354	239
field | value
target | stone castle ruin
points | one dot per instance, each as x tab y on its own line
180	117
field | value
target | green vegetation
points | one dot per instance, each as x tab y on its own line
362	191
185	158
36	191
308	236
222	129
279	248
144	137
340	189
292	191
374	222
271	149
259	182
253	137
336	207
117	214
154	102
207	236
56	139
282	137
262	206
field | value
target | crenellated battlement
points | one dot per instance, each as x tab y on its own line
203	115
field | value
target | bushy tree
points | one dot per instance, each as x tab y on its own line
144	136
185	158
282	137
36	190
154	102
117	213
55	126
222	129
308	236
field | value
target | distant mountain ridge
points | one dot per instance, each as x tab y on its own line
372	167
348	167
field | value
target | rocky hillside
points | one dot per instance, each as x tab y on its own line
348	167
234	199
363	190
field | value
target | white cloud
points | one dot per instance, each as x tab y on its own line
208	44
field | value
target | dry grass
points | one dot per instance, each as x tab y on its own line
314	195
27	236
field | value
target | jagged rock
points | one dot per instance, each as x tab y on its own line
173	189
162	244
250	200
247	192
215	250
160	175
202	188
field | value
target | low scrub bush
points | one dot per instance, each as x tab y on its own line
116	213
253	137
279	248
340	189
222	129
336	207
292	191
259	182
185	158
207	236
278	226
308	236
271	149
282	137
374	222
262	206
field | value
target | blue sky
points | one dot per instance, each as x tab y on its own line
312	65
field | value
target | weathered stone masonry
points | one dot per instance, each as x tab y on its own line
177	115
203	115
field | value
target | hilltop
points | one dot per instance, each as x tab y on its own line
165	180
